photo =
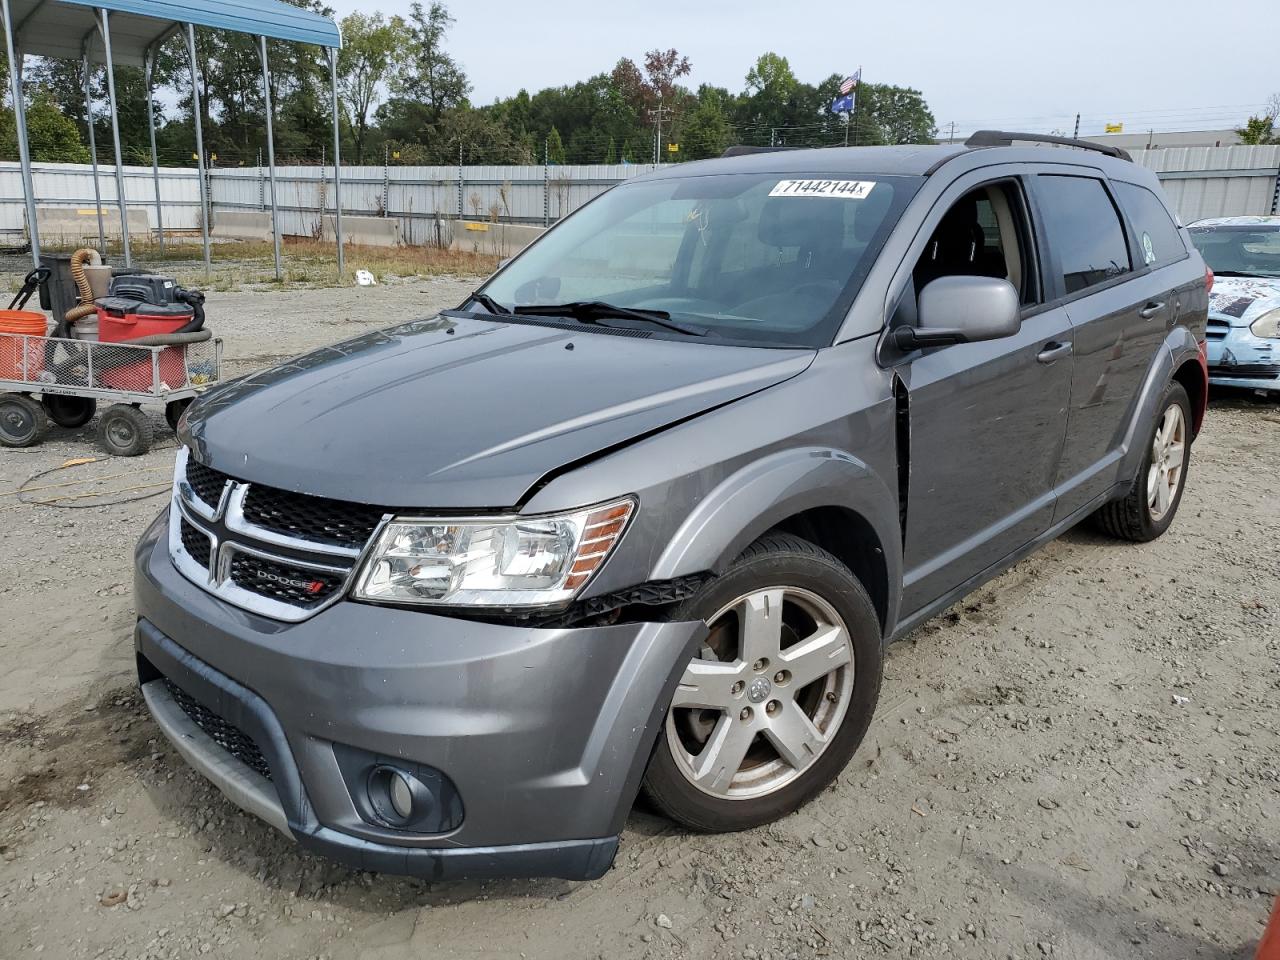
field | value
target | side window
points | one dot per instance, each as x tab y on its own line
1159	241
1084	230
983	234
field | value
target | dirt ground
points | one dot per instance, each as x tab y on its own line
1081	760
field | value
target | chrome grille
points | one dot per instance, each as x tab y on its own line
311	518
282	555
206	482
282	581
196	543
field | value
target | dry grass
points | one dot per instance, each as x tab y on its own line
304	263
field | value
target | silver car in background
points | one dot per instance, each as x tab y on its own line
1244	307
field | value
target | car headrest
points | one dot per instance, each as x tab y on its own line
802	222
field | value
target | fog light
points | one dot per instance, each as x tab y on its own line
398	798
401	796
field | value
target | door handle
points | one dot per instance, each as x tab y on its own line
1151	309
1052	351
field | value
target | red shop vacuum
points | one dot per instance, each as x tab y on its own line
142	309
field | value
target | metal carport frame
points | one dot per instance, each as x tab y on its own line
131	31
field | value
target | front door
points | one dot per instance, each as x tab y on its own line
987	420
987	428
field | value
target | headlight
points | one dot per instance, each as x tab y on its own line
506	562
1267	326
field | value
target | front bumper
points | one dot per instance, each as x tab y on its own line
1240	359
545	733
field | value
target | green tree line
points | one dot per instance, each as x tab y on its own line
404	96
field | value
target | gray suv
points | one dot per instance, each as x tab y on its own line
642	513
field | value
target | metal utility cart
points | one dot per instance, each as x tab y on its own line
71	376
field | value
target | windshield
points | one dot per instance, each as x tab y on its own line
1245	250
746	257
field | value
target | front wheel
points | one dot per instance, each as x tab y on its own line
776	701
1148	509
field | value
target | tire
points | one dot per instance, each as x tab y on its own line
69	412
1140	516
125	431
23	422
815	589
173	411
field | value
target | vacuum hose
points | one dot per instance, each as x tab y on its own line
195	300
86	307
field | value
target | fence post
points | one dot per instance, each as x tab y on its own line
459	179
386	177
546	182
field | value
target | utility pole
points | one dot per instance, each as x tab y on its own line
1076	134
953	132
659	114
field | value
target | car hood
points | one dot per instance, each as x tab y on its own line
1241	300
459	412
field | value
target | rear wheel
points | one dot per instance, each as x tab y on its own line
1148	509
70	412
22	421
125	431
778	698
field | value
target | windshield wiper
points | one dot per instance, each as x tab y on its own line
593	311
490	304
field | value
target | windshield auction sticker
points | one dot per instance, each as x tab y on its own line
844	189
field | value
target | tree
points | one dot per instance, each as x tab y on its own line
429	74
771	87
373	49
891	114
52	137
1258	130
705	130
555	147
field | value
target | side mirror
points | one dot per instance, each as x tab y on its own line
962	310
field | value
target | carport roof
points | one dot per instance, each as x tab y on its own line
57	28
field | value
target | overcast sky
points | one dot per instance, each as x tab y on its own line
1030	65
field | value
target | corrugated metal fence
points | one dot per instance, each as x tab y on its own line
1200	181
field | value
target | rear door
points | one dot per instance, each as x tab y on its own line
1119	310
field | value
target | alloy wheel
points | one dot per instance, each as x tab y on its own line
1167	453
764	697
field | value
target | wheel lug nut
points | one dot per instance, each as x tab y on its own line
736	688
745	714
772	708
760	664
782	676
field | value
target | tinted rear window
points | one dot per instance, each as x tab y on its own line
1159	241
1084	230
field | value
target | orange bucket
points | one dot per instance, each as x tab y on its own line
20	322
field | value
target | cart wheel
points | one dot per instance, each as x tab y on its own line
125	431
70	412
22	421
173	411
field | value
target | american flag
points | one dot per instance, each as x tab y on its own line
848	83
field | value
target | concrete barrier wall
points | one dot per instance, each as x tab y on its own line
365	231
242	225
72	225
495	239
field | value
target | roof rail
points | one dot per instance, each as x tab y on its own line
1005	138
741	151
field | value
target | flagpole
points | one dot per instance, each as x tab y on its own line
853	115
